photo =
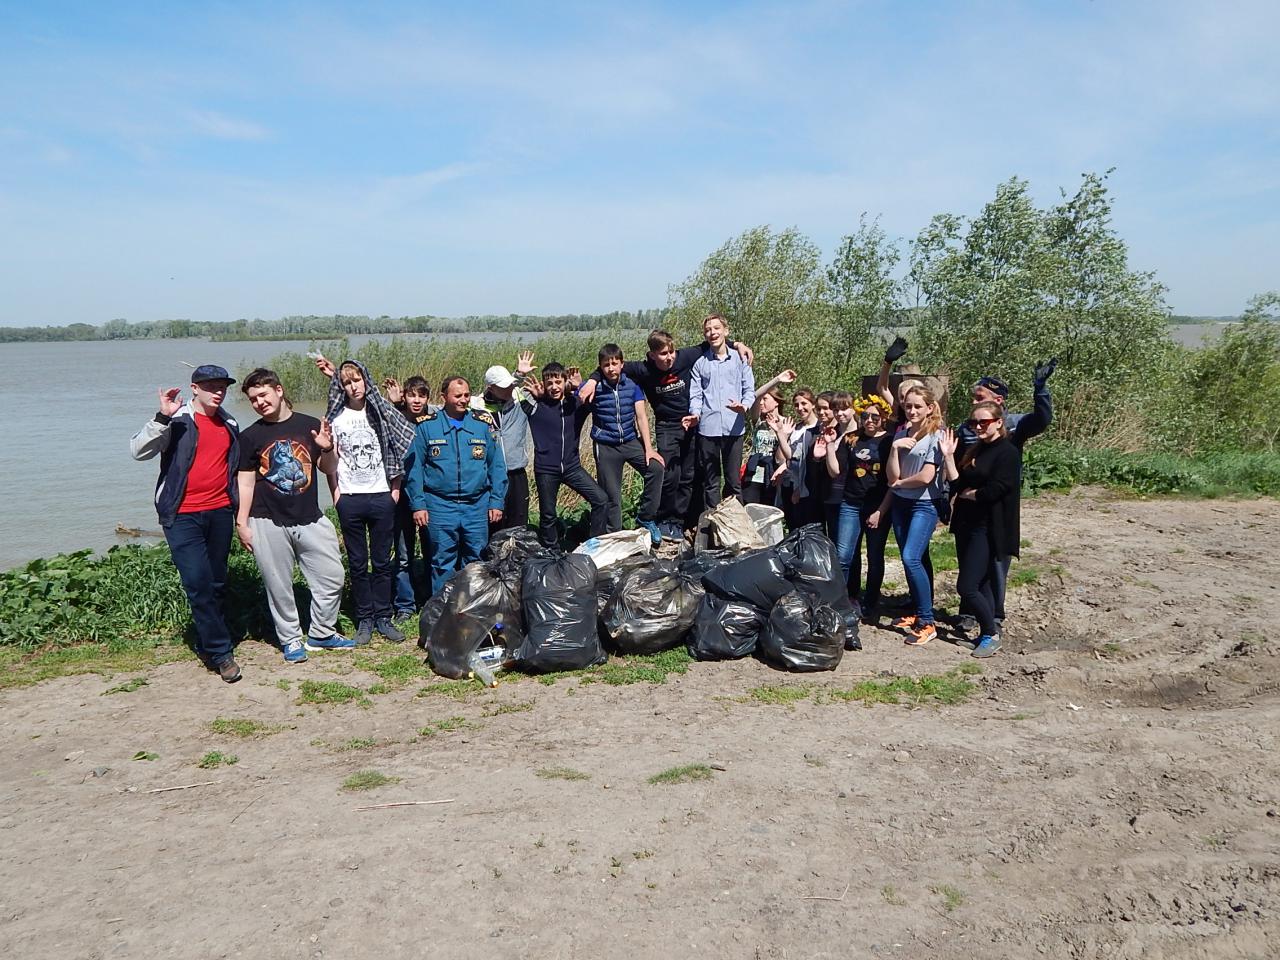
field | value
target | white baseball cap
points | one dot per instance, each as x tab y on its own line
499	376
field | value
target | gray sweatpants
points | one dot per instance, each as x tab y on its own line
314	547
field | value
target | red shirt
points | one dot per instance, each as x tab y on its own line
207	481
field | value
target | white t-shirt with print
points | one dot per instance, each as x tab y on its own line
360	467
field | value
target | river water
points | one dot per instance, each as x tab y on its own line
69	410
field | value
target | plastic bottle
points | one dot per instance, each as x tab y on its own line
490	656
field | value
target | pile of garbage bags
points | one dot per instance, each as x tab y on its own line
742	591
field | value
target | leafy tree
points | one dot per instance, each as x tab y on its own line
864	296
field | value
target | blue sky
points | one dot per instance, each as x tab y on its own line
215	161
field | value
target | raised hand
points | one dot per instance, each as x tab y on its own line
524	362
787	376
896	350
170	400
533	386
324	436
783	426
947	443
1045	371
324	365
395	393
574	375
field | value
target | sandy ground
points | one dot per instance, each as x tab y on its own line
1111	792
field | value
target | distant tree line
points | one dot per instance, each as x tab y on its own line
337	325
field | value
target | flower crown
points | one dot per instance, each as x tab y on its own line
863	404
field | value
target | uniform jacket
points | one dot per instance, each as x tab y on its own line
174	438
464	463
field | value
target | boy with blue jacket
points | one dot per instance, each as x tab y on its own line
620	434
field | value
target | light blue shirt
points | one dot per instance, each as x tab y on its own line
713	383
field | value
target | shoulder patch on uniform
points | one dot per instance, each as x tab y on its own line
428	415
484	416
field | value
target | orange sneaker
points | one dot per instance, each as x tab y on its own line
921	634
903	623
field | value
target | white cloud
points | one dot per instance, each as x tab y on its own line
221	127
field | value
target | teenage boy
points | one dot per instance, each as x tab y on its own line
503	400
620	433
413	400
196	496
1022	427
556	417
457	480
722	388
372	438
279	519
663	375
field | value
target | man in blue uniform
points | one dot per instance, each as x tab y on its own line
457	480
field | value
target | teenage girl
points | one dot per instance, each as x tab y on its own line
767	454
985	518
800	498
916	478
830	488
860	457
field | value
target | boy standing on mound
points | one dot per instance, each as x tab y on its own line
199	447
722	389
279	520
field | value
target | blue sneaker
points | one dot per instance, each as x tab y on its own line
672	531
987	646
655	534
334	642
294	652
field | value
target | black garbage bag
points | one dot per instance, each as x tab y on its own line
812	564
607	579
724	629
757	578
507	553
703	562
560	614
802	634
458	621
652	609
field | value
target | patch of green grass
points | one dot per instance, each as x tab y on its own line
1054	465
1024	575
21	667
283	684
891	897
146	755
128	686
377	689
952	897
685	774
948	689
498	709
454	689
358	743
780	694
445	726
397	670
367	780
215	758
562	773
620	671
968	669
330	691
241	727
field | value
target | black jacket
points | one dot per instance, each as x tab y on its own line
994	476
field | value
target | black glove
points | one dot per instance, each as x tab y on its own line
1045	371
896	350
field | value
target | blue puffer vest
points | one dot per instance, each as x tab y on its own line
613	415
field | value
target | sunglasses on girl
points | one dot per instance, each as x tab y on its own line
979	422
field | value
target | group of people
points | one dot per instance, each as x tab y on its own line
410	477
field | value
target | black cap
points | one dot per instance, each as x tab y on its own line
211	371
995	385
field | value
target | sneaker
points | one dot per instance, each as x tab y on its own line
364	633
672	530
852	643
655	534
388	629
229	670
294	652
921	634
903	623
334	641
987	646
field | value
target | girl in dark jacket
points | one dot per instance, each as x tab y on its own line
984	516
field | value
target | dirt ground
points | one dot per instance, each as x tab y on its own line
1111	791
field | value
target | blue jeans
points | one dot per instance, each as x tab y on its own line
411	587
913	523
199	544
849	533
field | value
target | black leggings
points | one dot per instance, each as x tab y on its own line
977	574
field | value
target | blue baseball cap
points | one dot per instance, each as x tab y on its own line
211	371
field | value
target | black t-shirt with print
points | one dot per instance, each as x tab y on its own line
862	467
284	458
